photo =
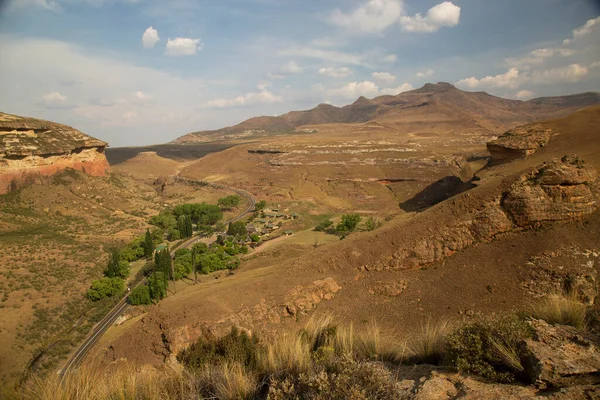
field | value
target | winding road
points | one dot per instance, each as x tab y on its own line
96	333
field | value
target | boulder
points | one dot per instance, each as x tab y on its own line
518	143
560	355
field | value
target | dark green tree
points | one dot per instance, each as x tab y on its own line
157	286
348	223
184	226
140	295
260	205
117	266
148	244
105	287
237	228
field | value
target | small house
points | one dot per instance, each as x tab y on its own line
288	233
250	228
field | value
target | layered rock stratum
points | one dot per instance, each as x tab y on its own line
31	148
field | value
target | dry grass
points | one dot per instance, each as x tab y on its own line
228	381
428	346
563	309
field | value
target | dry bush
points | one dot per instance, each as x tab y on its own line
429	345
227	381
563	309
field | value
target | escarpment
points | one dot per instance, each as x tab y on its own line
30	148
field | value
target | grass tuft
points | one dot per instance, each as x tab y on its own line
563	309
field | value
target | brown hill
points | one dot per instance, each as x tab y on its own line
527	227
31	147
432	108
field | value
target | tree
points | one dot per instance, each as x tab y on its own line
117	266
348	223
255	238
182	264
237	228
199	248
173	234
260	205
140	295
210	262
157	286
105	287
184	226
148	244
162	260
229	202
165	220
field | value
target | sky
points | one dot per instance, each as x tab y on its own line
137	72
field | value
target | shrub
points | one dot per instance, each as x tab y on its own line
372	224
140	295
105	287
489	348
348	223
563	309
324	225
229	202
235	347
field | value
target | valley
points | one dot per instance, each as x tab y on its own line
467	206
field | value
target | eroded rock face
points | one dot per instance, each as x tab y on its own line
30	148
518	143
559	190
561	355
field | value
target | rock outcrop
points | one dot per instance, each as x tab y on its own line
518	143
563	189
30	148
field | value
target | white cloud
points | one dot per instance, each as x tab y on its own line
426	74
183	47
511	79
405	87
366	88
54	98
328	55
445	14
524	95
383	77
249	99
342	72
584	30
372	17
291	68
45	4
570	73
150	38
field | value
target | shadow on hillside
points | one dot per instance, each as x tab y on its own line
435	193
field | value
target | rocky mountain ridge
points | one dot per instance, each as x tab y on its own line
431	107
30	148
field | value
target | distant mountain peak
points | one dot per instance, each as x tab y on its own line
362	100
436	87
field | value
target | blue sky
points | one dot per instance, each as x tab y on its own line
135	72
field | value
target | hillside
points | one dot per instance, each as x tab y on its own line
431	108
524	229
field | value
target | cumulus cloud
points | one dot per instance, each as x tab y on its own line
179	47
366	88
445	14
390	58
425	74
405	87
383	77
264	96
372	17
514	78
54	98
584	30
510	79
342	72
150	38
524	95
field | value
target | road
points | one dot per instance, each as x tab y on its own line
77	356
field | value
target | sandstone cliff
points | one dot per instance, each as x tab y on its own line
30	148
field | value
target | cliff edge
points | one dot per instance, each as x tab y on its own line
30	148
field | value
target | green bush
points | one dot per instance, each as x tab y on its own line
489	348
182	264
105	287
229	202
235	347
210	262
324	225
140	295
348	223
134	250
